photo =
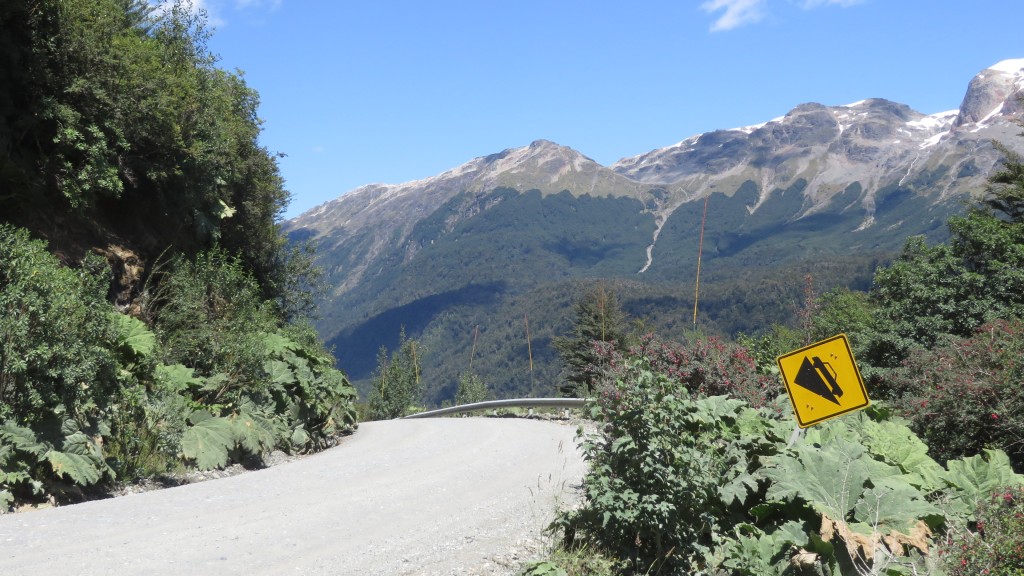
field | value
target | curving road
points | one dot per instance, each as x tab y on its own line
424	497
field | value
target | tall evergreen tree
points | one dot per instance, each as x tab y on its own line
396	384
599	320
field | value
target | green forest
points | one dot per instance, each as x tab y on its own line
152	316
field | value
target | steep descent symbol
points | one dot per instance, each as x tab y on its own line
812	376
818	377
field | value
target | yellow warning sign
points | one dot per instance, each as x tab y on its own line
823	381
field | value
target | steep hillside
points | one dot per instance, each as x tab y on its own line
825	190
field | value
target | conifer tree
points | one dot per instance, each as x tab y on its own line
396	384
599	320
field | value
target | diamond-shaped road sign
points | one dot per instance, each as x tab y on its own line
823	381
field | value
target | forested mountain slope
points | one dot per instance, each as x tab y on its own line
825	190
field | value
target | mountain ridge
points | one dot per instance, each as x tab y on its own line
815	185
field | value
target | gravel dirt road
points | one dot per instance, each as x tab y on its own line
430	497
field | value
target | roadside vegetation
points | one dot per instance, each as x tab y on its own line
152	316
695	468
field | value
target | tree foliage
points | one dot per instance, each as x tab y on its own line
471	389
113	114
397	389
117	128
598	320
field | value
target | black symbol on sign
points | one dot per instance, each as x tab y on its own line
818	377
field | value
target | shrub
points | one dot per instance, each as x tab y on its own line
993	544
681	483
60	371
656	473
471	389
210	317
706	366
55	333
249	383
965	394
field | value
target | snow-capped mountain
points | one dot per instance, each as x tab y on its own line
819	184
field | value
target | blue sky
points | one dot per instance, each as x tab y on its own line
390	91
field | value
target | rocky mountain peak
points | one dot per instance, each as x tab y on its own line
993	92
547	156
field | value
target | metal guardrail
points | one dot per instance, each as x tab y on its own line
513	403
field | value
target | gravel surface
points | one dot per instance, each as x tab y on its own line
425	497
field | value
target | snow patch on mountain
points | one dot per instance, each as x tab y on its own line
1013	66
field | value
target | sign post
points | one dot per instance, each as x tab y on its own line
823	381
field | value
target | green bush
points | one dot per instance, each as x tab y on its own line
681	483
653	492
993	544
471	389
210	317
250	383
55	333
965	395
58	368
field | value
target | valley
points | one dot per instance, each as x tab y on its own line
828	192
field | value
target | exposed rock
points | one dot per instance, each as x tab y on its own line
128	270
994	91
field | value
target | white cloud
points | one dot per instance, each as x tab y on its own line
194	6
215	8
809	4
737	13
742	12
269	4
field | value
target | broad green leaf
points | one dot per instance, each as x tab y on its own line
81	469
177	377
738	489
299	438
279	372
23	439
135	334
975	478
757	554
69	427
6	451
278	344
198	416
893	504
719	408
208	442
79	443
256	432
831	479
791	532
898	445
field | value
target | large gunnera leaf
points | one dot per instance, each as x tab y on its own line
81	469
978	476
135	335
208	442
